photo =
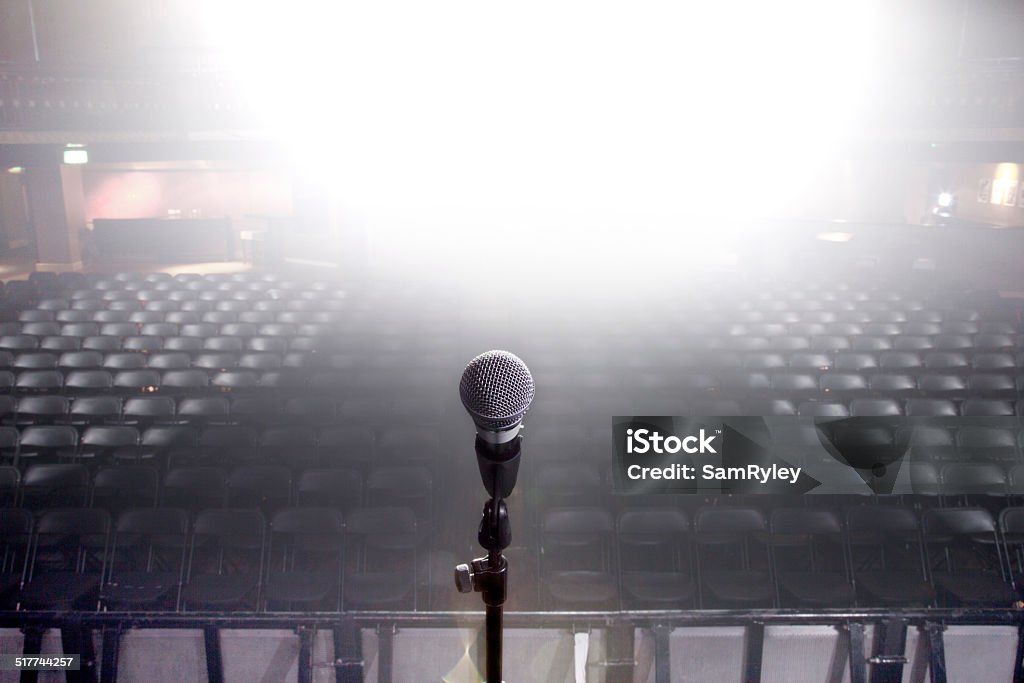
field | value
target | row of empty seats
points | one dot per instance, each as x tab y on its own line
268	487
219	559
776	336
740	557
224	408
287	444
316	558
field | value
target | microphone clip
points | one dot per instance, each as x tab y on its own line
495	532
489	575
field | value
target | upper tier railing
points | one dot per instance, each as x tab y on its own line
34	99
968	94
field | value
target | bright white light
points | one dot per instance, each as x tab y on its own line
450	127
945	200
835	236
76	155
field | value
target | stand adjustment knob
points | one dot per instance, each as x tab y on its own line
464	578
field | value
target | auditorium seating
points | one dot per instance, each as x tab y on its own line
263	403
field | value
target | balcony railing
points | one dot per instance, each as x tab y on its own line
146	100
969	94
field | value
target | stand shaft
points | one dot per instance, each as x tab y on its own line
499	465
493	634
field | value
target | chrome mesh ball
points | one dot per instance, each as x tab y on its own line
496	388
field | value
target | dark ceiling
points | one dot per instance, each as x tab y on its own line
915	33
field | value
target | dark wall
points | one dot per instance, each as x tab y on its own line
87	33
15	32
994	29
913	33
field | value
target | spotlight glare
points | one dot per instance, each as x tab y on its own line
565	123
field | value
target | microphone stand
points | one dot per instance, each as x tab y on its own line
488	575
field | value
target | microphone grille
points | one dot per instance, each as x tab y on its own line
496	388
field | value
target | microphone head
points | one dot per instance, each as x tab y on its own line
496	389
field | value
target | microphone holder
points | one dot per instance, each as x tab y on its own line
488	575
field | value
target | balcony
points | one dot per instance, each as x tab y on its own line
125	101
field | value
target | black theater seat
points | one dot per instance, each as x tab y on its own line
184	381
51	442
994	362
60	344
194	487
168	360
38	381
87	381
267	487
256	410
823	409
15	537
930	407
988	443
226	560
347	445
80	316
901	361
973	479
887	556
109	443
385	541
868	343
119	329
137	381
946	361
306	551
942	385
987	407
338	487
68	560
576	547
656	560
41	409
810	564
729	576
103	317
14	343
875	407
854	361
202	410
993	385
101	344
147	559
80	360
972	573
147	410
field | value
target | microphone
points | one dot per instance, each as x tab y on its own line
496	389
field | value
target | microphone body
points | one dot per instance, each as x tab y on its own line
499	465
